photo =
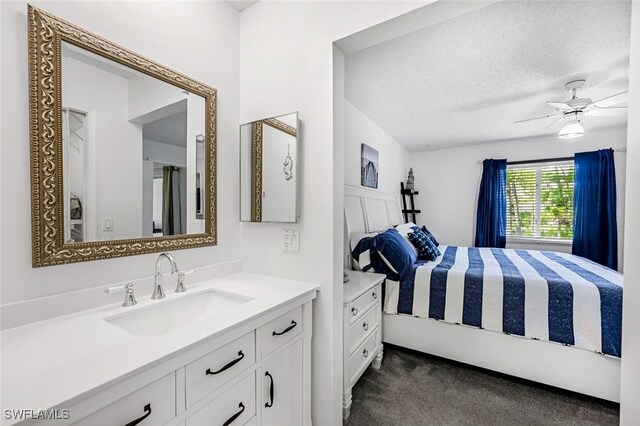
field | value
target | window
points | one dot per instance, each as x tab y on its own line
540	200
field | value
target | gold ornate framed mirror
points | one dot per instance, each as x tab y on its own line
123	149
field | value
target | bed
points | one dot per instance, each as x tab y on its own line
549	317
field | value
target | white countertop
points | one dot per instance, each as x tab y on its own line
48	363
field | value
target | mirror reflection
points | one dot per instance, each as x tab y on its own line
268	169
134	152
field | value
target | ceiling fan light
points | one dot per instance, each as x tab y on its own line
571	130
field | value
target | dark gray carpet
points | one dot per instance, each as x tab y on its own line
417	389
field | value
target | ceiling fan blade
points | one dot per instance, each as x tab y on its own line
607	112
563	106
612	100
537	118
556	122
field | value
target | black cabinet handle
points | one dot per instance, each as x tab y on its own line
286	330
354	311
235	416
365	353
365	326
375	296
270	403
147	408
227	365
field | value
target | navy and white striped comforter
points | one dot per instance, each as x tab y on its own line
549	296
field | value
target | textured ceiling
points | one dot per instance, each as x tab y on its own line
466	80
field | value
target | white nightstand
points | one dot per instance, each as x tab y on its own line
362	343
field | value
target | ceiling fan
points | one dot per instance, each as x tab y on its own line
576	108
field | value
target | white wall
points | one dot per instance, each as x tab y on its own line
286	64
630	373
449	179
210	30
279	194
393	157
118	147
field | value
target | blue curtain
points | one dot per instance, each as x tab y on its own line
491	222
595	230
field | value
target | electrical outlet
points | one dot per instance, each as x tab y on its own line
290	241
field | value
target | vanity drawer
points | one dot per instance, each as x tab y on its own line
208	373
362	303
279	331
363	355
235	407
155	402
364	326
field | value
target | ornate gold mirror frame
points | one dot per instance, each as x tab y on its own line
46	32
256	161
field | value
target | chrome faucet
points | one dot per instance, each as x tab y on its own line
158	291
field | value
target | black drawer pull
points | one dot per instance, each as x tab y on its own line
286	330
354	311
365	326
365	353
147	408
270	403
228	365
375	296
235	416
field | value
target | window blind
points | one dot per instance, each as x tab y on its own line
540	200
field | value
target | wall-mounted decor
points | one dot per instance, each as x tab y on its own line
369	167
135	197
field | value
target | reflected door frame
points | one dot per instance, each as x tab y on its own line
90	202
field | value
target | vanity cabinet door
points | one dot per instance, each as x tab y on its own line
281	388
154	404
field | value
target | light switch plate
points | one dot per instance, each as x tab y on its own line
290	241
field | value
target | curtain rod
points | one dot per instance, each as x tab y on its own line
547	160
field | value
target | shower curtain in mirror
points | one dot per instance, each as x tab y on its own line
595	228
171	206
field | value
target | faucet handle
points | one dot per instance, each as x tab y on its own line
129	296
180	288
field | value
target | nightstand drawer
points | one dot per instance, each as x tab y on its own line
359	306
363	355
363	327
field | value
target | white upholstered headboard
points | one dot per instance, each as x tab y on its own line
369	210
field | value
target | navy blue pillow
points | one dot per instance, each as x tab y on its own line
430	235
394	257
423	243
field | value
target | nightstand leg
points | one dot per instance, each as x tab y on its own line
346	404
377	362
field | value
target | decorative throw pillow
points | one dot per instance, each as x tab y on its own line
430	235
396	255
425	246
404	230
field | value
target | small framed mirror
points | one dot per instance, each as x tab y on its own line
268	169
123	149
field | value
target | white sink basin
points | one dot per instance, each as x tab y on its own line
170	315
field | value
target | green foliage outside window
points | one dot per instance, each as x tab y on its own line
540	201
